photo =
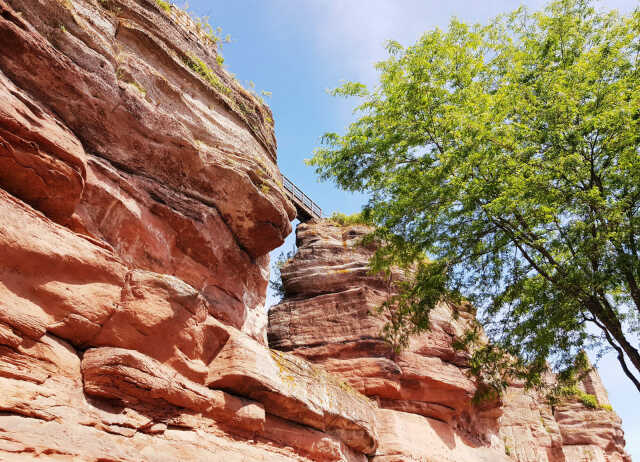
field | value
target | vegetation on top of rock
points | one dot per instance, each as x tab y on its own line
348	220
166	6
586	399
201	23
568	379
510	154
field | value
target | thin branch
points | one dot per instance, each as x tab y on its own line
621	359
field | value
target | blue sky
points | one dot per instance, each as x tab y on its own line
297	49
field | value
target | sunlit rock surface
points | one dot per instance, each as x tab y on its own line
139	199
107	129
329	317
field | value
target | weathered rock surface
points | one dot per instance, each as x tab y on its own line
41	161
51	279
595	433
139	198
333	324
174	169
329	317
291	388
133	378
150	374
531	430
413	438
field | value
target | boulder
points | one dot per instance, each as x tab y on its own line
292	388
131	377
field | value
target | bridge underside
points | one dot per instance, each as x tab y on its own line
306	209
303	213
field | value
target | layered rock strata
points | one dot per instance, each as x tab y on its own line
139	198
329	317
118	122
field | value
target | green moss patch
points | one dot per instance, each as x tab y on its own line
586	399
166	6
200	67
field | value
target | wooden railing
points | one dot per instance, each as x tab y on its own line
307	208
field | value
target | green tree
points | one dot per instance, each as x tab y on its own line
275	276
509	154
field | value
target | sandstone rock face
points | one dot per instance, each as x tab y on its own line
409	437
41	161
329	317
533	431
139	198
334	324
595	433
173	169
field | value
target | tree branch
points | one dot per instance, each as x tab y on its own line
621	359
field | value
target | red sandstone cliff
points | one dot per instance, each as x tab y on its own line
424	393
139	198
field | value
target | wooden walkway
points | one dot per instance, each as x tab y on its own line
306	208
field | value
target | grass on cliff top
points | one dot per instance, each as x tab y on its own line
195	63
568	380
214	35
201	23
586	399
166	6
341	219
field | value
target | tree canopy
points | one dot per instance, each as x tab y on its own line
509	153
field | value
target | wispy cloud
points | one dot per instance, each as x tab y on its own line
353	33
